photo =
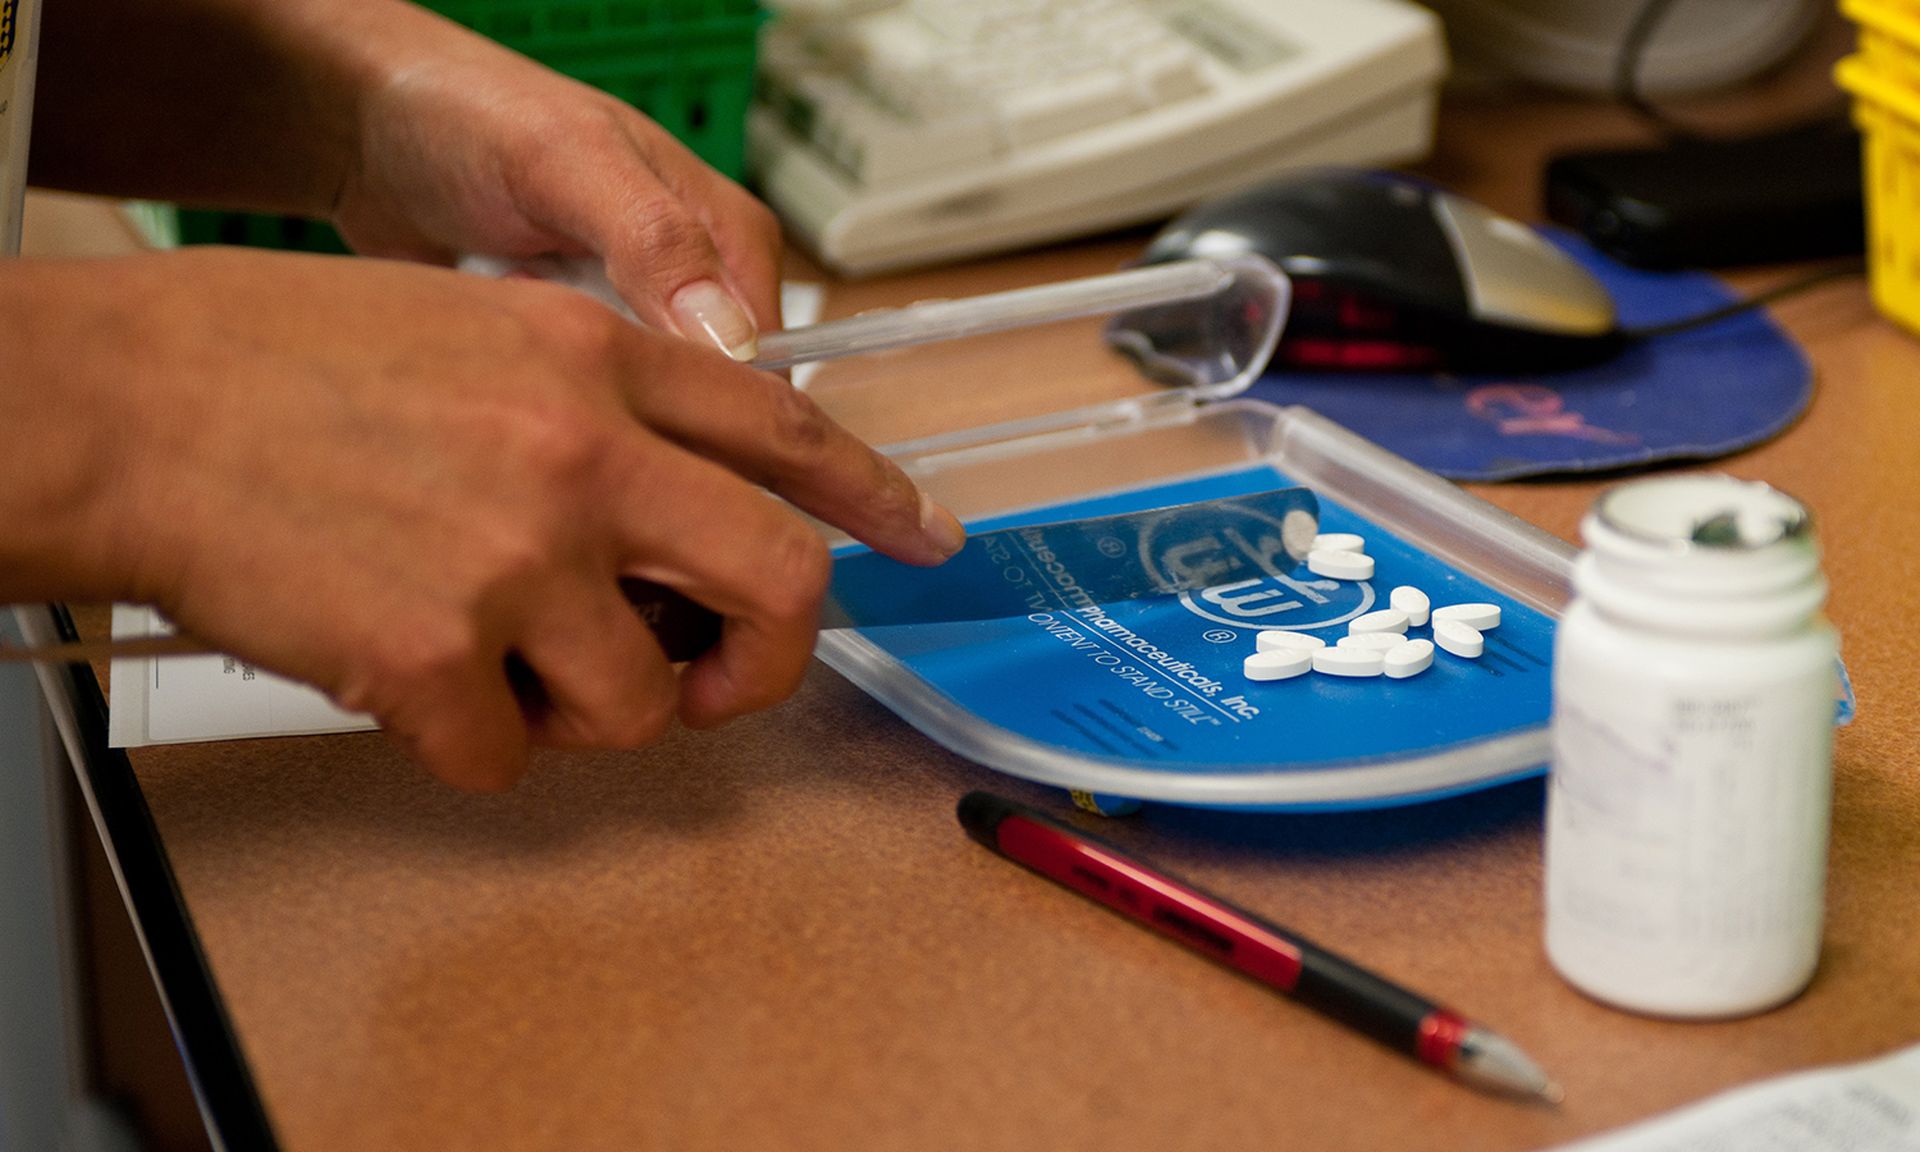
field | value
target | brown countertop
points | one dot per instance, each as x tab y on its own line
777	936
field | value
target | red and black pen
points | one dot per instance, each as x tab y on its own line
1270	954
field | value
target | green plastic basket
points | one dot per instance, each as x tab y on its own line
291	233
687	64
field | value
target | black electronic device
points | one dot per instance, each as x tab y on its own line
1788	195
1393	274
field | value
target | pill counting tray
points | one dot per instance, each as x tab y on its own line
1123	703
1146	699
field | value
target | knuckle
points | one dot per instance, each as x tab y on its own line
625	721
778	689
433	655
896	498
643	721
673	243
563	451
512	559
766	686
361	689
587	335
552	138
398	672
796	568
799	430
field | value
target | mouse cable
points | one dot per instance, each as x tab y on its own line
1628	64
1759	299
1626	70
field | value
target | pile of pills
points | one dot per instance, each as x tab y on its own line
1340	556
1377	643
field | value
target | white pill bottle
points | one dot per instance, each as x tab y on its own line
1688	803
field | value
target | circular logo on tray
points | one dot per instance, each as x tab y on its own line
1249	575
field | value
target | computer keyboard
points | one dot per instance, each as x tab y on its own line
895	134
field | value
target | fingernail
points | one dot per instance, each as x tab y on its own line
704	306
941	528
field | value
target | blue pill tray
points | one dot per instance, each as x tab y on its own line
1146	699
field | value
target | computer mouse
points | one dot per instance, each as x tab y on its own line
1392	274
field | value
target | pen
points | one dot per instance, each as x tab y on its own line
1256	948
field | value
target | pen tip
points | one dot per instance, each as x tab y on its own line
1493	1062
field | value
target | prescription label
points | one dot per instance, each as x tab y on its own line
187	699
1156	685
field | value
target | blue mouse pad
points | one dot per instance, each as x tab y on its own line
1691	395
1155	686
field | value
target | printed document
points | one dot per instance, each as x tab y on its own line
1870	1107
179	699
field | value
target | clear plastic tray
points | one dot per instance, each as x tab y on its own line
1167	446
1161	358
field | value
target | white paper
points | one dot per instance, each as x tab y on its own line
182	699
1870	1107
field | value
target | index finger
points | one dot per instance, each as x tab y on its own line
765	430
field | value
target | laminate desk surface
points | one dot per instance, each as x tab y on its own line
777	936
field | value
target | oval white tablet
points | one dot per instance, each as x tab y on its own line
1282	664
1385	620
1338	542
1340	565
1413	602
1278	640
1457	638
1339	661
1408	658
1377	641
1477	616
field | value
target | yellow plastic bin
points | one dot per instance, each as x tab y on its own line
1884	78
1889	37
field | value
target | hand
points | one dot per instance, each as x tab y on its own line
420	139
469	148
386	480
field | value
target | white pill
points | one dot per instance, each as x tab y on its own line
1457	638
1413	602
1409	658
1480	616
1277	640
1385	620
1338	661
1340	565
1283	664
1338	542
1377	641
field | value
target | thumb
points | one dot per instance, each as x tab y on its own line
659	256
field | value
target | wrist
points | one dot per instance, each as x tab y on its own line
378	54
313	71
67	462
